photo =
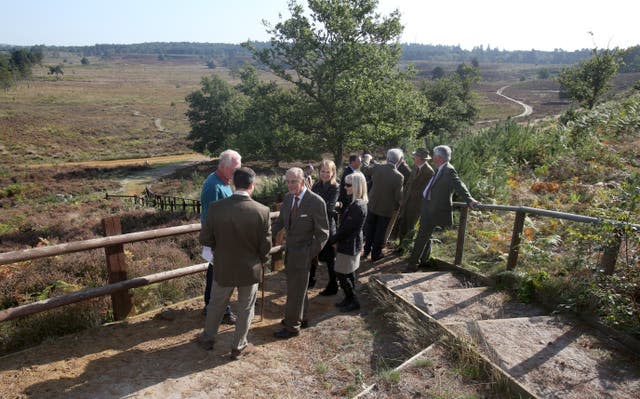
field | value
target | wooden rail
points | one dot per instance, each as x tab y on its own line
610	252
118	285
164	202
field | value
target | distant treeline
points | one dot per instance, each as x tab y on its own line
232	54
15	61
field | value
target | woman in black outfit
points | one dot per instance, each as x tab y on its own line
327	187
348	240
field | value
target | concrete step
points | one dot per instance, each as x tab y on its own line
556	357
468	304
428	281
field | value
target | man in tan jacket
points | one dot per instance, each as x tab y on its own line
238	229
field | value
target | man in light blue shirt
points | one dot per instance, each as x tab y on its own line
216	187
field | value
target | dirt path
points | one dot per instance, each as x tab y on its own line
154	355
528	110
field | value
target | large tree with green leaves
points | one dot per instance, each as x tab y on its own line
215	114
342	58
269	129
589	80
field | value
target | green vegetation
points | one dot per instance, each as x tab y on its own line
17	65
342	62
587	82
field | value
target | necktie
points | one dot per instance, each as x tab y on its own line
427	190
294	210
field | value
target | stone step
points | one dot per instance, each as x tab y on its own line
547	352
428	281
468	304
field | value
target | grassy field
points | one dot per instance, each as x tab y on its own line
123	108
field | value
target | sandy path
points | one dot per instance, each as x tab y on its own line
528	110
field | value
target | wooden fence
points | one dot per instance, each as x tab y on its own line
610	252
119	284
164	202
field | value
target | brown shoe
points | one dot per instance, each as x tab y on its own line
238	353
204	342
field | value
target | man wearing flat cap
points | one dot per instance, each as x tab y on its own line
412	196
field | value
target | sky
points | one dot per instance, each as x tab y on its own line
504	24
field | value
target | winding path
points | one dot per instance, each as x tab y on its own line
528	110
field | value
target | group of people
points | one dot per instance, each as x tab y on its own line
338	224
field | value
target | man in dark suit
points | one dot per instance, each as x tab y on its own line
412	193
384	199
303	215
238	229
436	204
354	164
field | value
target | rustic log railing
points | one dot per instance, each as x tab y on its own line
164	202
610	252
118	283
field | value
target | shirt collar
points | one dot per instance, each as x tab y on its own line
242	192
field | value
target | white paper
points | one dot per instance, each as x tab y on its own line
207	254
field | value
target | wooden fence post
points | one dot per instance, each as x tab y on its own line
610	253
462	229
514	248
117	269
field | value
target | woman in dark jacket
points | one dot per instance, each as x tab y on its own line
348	240
327	188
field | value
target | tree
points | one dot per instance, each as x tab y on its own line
450	101
269	130
437	73
342	61
84	61
589	80
215	114
56	70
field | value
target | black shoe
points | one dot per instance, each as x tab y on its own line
342	303
303	324
329	290
312	282
229	318
350	307
411	269
204	343
285	334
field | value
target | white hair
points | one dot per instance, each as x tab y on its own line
228	156
443	151
394	155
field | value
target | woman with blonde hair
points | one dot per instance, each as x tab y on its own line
327	188
348	240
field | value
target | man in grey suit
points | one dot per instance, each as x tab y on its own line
384	199
412	194
303	215
437	204
238	229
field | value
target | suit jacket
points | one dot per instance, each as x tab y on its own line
239	231
386	193
437	210
412	193
308	232
405	170
329	193
349	235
